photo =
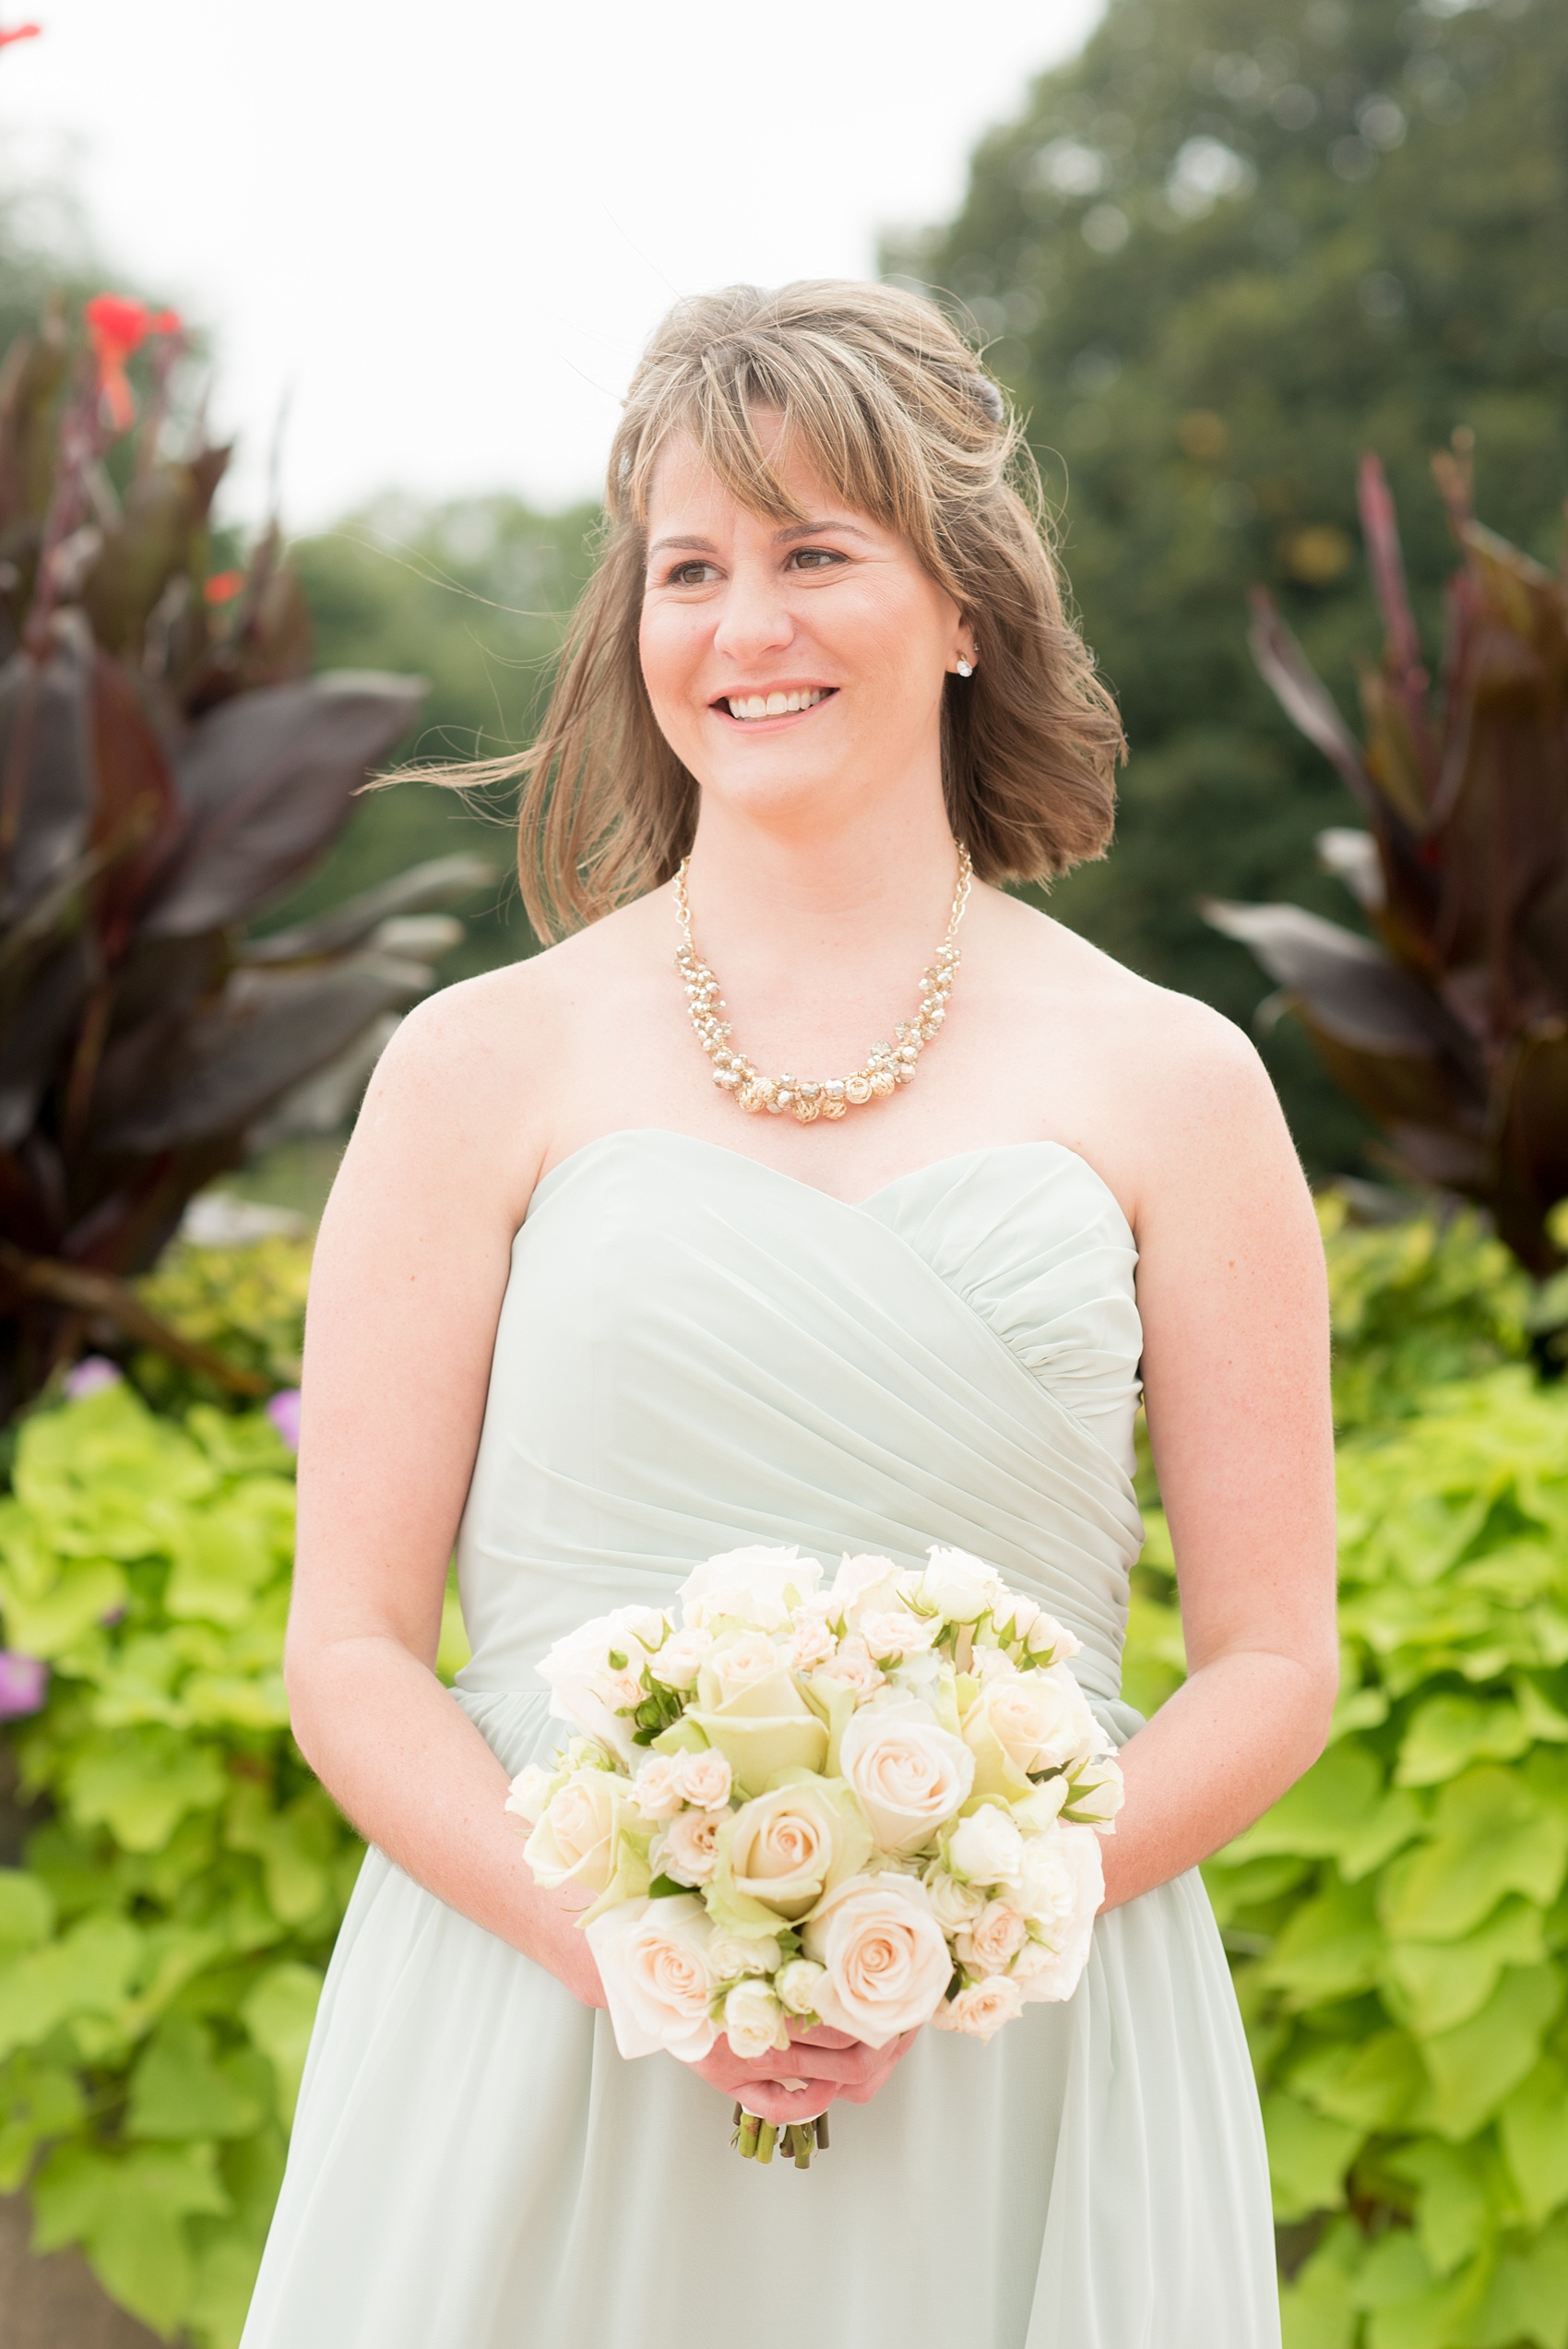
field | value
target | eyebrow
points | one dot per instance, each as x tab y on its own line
781	538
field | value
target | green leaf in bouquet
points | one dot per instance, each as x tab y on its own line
1474	2067
1370	2083
140	1783
1446	1733
39	2100
182	2088
127	2209
1490	1835
664	1887
1533	2126
1308	2156
1438	1983
87	1971
279	2013
1332	1947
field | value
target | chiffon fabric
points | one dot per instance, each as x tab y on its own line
694	1353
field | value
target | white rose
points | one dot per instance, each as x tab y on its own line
677	1663
1015	1613
577	1839
986	1847
896	1632
741	1663
656	1789
797	1986
953	1904
1096	1795
867	1584
1041	1720
961	1587
853	1668
812	1643
586	1690
908	1776
687	1851
753	2022
981	2008
786	1848
753	1585
991	1943
704	1778
529	1794
731	1954
1049	1638
886	1960
652	1959
1062	1896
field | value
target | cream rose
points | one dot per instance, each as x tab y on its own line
677	1664
1095	1796
894	1631
1041	1720
577	1839
954	1905
590	1691
810	1643
796	1985
687	1851
731	1955
704	1778
959	1587
761	1727
656	1789
885	1958
1049	1638
529	1794
753	2022
780	1852
652	1959
853	1668
1060	1880
908	1776
867	1584
739	1662
991	1943
986	1848
981	2008
759	1585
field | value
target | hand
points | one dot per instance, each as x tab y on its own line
830	2063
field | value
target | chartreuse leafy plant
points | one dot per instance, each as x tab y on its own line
1397	1923
161	1950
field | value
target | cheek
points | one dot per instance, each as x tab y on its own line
668	647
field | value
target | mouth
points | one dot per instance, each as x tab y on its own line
758	709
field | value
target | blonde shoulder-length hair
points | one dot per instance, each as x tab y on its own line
892	412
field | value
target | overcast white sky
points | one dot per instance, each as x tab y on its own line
443	230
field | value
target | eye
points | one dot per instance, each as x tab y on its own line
695	573
816	558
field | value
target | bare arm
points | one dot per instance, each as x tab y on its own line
1234	1304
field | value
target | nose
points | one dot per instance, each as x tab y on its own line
755	616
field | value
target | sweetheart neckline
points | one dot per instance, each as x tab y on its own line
798	1183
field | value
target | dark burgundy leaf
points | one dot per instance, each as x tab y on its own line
45	764
442	881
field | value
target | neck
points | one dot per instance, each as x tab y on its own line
862	876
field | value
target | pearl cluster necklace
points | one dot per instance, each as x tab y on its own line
805	1098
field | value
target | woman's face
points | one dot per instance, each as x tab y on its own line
790	666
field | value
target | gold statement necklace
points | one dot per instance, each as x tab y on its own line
805	1098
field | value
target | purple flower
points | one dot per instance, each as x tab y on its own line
91	1376
24	1683
284	1413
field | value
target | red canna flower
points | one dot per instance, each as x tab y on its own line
223	586
22	32
119	327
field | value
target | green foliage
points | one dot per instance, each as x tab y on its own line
1398	1924
472	595
245	1304
161	1948
1371	250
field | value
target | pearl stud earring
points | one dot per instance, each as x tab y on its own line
964	668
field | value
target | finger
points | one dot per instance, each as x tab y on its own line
822	2035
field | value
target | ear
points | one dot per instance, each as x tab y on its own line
963	649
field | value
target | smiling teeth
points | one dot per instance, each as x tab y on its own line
774	705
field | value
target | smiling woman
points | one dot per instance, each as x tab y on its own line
576	1312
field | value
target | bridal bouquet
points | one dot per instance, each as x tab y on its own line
872	1805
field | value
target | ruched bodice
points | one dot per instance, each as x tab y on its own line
695	1352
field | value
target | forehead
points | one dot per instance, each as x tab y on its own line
687	491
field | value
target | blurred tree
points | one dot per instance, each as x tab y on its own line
1230	247
471	595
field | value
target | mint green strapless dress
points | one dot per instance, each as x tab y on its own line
695	1352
